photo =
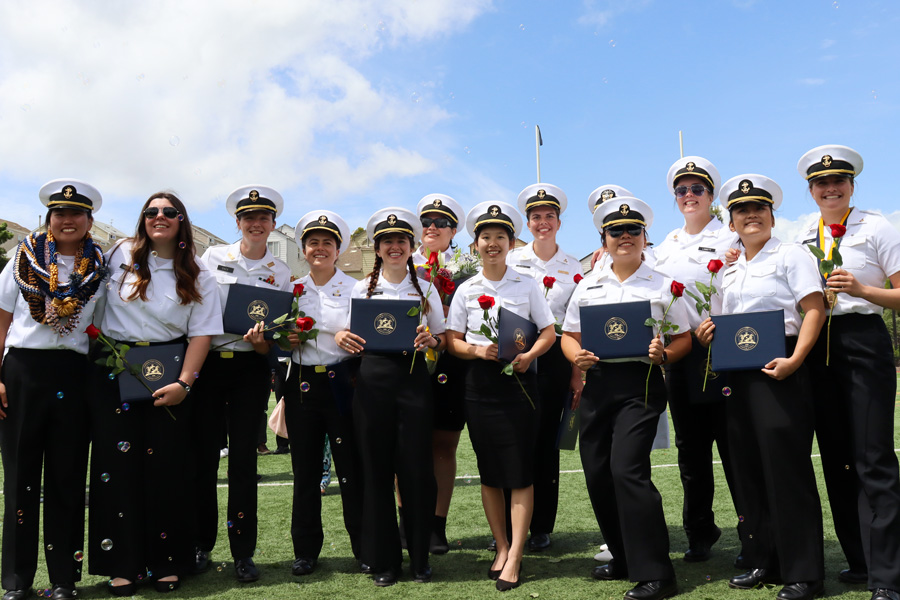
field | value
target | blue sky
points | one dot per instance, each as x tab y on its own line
357	105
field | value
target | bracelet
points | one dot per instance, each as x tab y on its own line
665	357
186	387
438	340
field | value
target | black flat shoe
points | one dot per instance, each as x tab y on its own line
439	544
608	572
123	590
18	594
303	566
539	542
63	592
753	579
653	590
365	569
423	576
201	561
246	570
700	550
386	578
854	576
804	590
885	594
164	587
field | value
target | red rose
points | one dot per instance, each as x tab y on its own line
677	289
549	281
578	277
444	273
714	265
298	289
432	259
485	301
305	323
92	332
837	230
449	286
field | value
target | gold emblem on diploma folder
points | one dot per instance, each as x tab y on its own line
746	338
258	310
153	370
616	328
385	323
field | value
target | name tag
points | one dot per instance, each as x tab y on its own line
595	287
125	267
809	241
225	269
377	293
416	294
520	266
702	249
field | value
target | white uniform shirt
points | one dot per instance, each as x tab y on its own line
871	252
683	257
563	267
229	266
385	290
649	259
24	332
779	276
162	317
601	286
515	292
329	305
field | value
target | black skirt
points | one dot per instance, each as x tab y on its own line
502	424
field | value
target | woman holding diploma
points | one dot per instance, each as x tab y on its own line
622	401
770	412
392	407
502	411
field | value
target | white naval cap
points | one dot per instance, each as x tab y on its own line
254	197
625	210
604	193
493	213
394	220
70	193
751	187
542	194
698	167
443	204
322	220
830	160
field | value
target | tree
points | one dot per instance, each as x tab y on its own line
5	235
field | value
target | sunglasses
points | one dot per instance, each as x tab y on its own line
169	212
439	222
697	189
617	230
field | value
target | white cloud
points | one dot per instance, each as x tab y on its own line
827	44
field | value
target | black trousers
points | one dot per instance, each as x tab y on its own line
854	403
770	429
617	431
230	393
140	471
392	411
700	421
310	415
554	375
45	427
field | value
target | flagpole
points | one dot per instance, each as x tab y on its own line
537	150
681	143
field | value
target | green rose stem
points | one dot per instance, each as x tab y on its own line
489	330
664	326
433	264
826	267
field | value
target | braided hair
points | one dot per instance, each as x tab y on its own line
376	271
373	276
415	281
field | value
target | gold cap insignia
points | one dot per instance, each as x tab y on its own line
392	220
826	161
323	219
690	166
494	210
624	210
68	192
254	195
541	194
607	195
746	186
437	203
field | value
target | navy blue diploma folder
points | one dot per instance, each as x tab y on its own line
569	424
247	305
516	335
384	324
616	330
157	366
747	340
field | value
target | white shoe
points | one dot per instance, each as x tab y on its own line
223	452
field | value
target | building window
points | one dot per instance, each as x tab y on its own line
273	248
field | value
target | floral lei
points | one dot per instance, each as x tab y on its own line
51	302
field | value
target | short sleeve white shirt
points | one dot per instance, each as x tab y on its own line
329	306
561	266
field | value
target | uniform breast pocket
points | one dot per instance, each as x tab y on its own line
854	250
334	312
225	278
761	281
171	312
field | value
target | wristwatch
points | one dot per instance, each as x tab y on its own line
438	340
186	387
665	358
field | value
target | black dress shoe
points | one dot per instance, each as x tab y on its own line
885	594
365	569
122	591
17	594
699	550
303	566
653	590
439	544
246	570
201	561
753	579
386	578
538	542
63	592
492	547
423	576
608	572
164	587
804	590
855	576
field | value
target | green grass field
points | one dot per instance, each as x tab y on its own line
561	572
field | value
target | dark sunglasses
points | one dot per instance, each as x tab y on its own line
169	212
697	189
617	230
439	222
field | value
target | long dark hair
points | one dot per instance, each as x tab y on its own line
185	262
376	271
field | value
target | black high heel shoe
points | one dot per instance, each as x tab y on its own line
504	585
495	575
